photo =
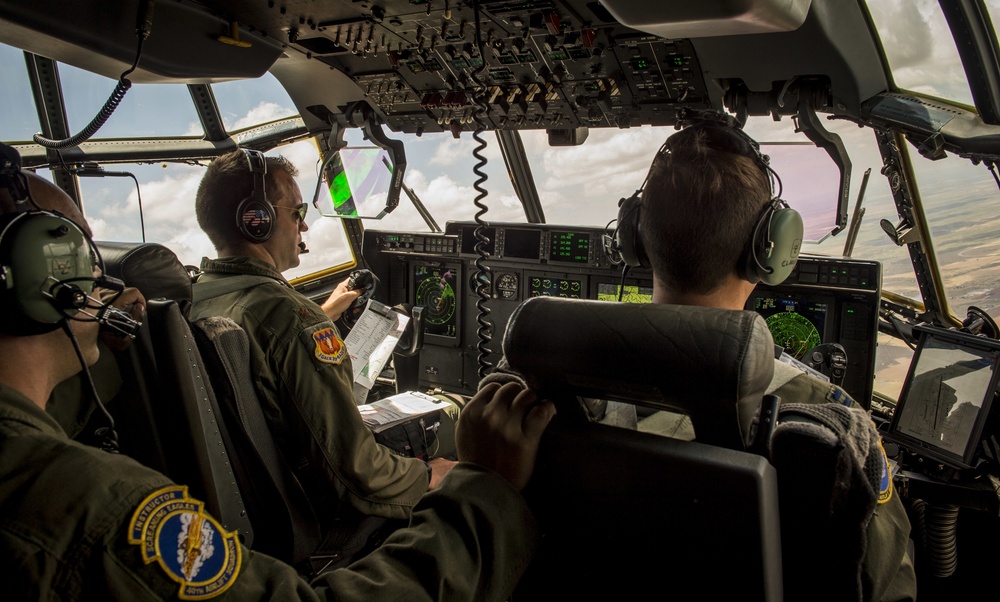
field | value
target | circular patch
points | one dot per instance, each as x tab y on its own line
189	545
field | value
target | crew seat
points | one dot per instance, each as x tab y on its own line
627	514
166	412
193	379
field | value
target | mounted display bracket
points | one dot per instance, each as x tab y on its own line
362	182
808	122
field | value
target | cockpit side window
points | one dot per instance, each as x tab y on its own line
920	48
248	103
146	111
20	120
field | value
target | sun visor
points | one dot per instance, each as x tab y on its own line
185	45
707	18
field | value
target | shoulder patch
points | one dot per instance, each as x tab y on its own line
189	545
885	481
327	347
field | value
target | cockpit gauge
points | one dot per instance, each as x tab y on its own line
506	286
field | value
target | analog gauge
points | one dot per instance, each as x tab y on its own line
506	285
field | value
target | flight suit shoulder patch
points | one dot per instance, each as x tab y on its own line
885	479
324	344
173	530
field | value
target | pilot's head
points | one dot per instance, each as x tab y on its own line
48	260
702	206
249	204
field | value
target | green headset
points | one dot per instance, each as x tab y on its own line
255	215
47	262
773	249
47	266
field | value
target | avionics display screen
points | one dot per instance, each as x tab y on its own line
469	240
435	288
947	395
522	244
634	293
358	184
572	247
544	286
796	323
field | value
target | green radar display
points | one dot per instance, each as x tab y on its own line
793	332
795	325
435	288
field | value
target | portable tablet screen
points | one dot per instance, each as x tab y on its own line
947	395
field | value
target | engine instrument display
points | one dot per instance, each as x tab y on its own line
543	286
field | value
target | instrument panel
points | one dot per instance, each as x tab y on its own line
825	300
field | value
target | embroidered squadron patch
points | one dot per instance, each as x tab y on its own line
188	544
329	348
885	482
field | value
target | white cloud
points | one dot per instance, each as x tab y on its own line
262	113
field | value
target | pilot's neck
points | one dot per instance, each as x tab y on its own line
732	294
39	366
248	250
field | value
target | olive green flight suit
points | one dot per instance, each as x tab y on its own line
887	572
303	376
82	524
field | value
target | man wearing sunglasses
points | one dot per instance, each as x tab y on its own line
252	210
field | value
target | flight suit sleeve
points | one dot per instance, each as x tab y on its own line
471	539
312	370
889	576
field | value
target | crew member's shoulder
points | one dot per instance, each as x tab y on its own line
795	386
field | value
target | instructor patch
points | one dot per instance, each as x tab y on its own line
327	346
188	544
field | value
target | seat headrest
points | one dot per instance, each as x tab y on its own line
149	267
711	364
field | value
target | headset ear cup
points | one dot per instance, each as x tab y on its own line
255	219
48	267
254	215
776	248
627	235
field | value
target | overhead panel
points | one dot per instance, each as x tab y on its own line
543	65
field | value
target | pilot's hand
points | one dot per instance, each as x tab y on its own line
500	428
339	300
439	468
130	301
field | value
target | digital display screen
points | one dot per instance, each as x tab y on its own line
947	395
436	290
797	324
469	240
543	286
522	244
572	247
634	293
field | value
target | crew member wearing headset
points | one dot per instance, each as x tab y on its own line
252	210
709	225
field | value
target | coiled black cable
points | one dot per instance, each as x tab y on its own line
483	276
143	26
938	524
